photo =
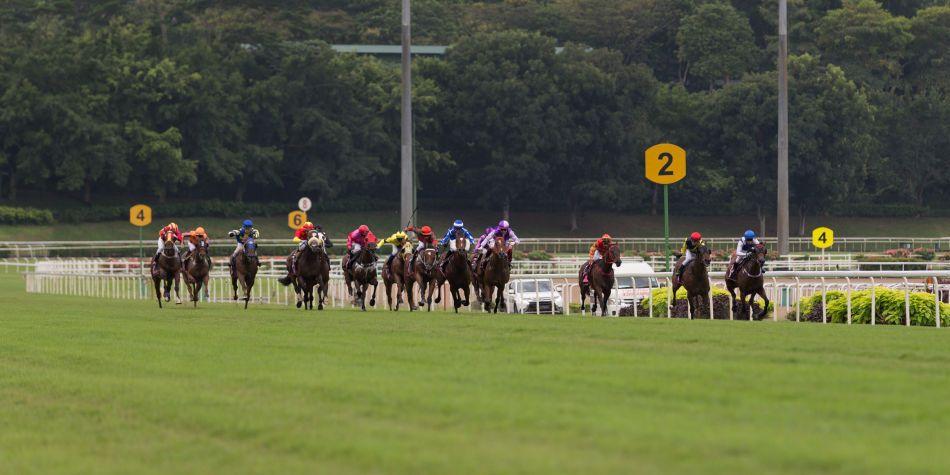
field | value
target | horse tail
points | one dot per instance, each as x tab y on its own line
286	280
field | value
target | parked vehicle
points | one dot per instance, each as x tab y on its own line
533	296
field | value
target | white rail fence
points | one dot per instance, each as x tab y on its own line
26	249
125	279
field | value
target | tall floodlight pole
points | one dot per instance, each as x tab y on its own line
782	218
407	187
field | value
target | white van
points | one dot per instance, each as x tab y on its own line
630	290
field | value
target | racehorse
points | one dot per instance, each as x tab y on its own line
312	269
458	272
244	269
696	280
394	273
197	271
495	273
363	274
425	273
749	280
601	281
167	269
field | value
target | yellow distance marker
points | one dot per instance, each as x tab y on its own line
665	163
140	215
822	237
296	219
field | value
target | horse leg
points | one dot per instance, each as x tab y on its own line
372	300
389	297
234	285
594	300
676	286
604	297
158	290
196	295
583	291
499	292
205	282
732	293
362	296
466	290
486	297
177	288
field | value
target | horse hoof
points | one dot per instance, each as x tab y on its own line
299	303
320	307
372	302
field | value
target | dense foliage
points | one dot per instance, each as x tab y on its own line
889	304
246	101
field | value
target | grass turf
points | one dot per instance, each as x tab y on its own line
527	224
122	387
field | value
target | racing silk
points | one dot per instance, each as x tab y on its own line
176	234
356	238
426	241
397	239
689	245
194	238
301	233
745	247
507	234
242	234
452	233
480	241
600	246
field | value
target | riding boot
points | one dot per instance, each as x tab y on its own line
389	261
679	272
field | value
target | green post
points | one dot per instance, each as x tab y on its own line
666	224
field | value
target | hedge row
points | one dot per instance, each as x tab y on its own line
218	208
888	303
12	215
681	309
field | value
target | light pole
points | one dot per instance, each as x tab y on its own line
407	187
782	212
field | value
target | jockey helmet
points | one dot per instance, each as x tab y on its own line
503	224
749	235
695	236
458	223
173	226
426	231
308	225
248	223
606	237
363	229
199	230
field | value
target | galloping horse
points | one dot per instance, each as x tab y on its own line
363	274
167	269
424	273
749	280
495	273
601	281
458	272
696	280
244	269
197	271
394	273
311	270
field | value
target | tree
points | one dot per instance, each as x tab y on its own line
502	107
866	41
929	51
715	42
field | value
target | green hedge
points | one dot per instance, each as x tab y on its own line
12	215
889	308
720	305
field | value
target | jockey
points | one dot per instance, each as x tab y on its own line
194	237
457	229
597	251
426	239
692	242
355	241
504	231
397	240
747	244
302	234
247	231
169	231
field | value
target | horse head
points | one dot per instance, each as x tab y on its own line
315	243
250	247
168	250
202	248
367	254
760	253
428	258
498	246
613	256
705	254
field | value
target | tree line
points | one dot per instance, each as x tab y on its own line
537	104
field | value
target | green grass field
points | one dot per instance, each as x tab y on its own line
527	225
92	386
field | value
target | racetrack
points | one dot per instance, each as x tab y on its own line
119	386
